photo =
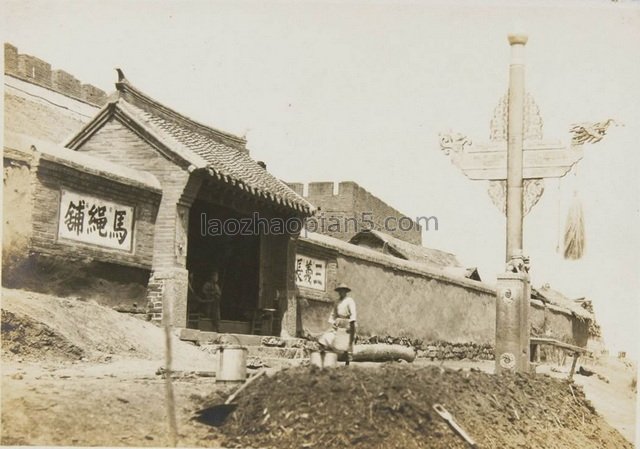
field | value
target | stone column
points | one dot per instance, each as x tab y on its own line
290	319
512	322
513	289
515	134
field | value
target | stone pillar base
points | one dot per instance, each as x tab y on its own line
512	323
167	296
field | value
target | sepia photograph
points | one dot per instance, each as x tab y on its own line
320	224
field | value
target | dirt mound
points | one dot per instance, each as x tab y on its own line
27	339
391	407
96	332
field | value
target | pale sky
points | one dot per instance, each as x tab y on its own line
337	91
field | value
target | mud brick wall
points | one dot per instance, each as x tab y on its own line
545	321
452	319
314	315
35	70
42	121
351	202
50	105
392	302
16	209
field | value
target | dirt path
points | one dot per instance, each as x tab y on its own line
76	373
610	390
103	405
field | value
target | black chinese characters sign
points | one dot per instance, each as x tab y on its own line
88	219
310	272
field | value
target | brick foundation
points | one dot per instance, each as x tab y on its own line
167	296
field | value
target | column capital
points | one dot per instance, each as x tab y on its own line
518	38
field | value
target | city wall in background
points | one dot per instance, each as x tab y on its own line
35	70
353	202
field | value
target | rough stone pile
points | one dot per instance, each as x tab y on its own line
457	351
439	350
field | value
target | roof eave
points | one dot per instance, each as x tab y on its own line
79	138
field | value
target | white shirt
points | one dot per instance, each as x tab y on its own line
346	309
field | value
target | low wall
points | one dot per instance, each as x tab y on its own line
396	302
450	317
16	210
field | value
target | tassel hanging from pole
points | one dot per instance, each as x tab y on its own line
574	232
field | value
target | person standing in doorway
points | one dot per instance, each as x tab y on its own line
343	320
210	302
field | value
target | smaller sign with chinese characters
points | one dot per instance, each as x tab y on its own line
310	272
88	219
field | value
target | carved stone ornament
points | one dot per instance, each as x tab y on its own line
507	360
541	159
532	191
532	188
589	132
532	120
452	144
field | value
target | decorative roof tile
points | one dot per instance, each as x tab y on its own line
222	155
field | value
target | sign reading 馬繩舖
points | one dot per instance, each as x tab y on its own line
89	219
310	272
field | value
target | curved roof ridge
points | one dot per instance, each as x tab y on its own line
126	88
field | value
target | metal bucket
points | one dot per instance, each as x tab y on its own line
324	359
232	364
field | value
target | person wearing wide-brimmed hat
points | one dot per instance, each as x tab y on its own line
343	322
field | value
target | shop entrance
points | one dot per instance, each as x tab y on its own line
224	271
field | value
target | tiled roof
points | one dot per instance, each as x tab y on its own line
409	251
221	154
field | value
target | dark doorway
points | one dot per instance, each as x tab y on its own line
216	246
